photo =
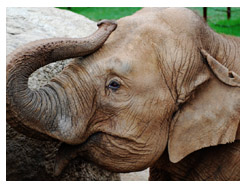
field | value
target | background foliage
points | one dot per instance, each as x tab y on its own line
217	16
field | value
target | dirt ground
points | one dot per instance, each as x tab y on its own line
136	176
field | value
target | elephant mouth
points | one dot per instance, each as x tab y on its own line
110	151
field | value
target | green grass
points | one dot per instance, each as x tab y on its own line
99	13
217	17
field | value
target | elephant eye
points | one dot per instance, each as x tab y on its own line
114	85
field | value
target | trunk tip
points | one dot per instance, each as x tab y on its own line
112	24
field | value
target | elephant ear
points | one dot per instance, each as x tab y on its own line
210	117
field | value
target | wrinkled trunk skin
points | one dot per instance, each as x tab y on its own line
50	110
28	158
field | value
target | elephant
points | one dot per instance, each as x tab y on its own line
157	89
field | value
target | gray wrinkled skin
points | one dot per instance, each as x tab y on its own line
31	159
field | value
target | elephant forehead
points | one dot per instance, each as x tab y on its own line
118	66
175	18
150	24
133	68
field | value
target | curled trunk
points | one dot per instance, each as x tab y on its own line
47	110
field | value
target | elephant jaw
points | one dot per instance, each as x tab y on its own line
113	152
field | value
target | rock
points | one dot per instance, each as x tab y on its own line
27	158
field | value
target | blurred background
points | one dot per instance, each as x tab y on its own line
221	19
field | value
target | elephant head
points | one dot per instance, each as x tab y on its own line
162	79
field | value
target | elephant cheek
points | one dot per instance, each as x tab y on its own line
119	154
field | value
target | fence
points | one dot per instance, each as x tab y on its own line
228	12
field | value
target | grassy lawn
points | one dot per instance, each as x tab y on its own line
217	17
99	13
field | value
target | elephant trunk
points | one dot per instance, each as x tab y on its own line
43	110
